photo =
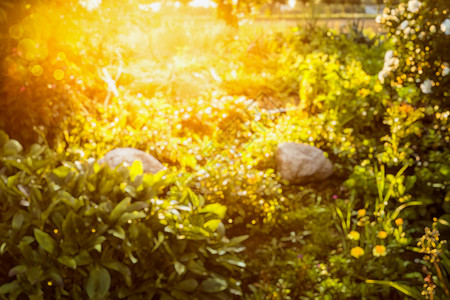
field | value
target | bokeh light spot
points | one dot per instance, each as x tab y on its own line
61	56
16	31
37	27
27	49
37	70
9	66
58	74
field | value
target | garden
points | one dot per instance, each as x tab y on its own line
212	102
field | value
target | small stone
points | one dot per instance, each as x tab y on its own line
118	156
301	163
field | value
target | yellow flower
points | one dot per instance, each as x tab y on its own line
382	234
361	212
353	235
357	252
379	250
399	221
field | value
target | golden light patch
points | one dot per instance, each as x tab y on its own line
9	66
27	49
37	27
58	74
16	31
37	70
61	56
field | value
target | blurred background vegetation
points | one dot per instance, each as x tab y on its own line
211	100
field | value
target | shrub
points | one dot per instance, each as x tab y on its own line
80	229
419	57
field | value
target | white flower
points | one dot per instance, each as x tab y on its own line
394	18
432	29
413	6
395	63
390	63
422	35
445	26
388	55
445	70
378	19
90	5
426	86
403	25
382	75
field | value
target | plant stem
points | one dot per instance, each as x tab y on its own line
441	278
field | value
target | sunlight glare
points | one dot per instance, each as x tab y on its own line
154	7
90	5
203	3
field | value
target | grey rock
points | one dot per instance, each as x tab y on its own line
301	163
118	156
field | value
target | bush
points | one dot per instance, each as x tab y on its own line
80	229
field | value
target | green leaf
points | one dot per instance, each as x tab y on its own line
410	181
445	170
238	240
35	274
9	287
84	258
120	209
125	217
165	296
136	169
45	240
61	171
189	285
193	198
407	290
180	268
213	285
215	208
121	268
56	278
138	205
179	295
212	224
17	220
403	206
197	267
67	261
26	249
98	283
17	270
12	147
232	261
118	232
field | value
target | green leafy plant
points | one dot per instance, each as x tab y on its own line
84	230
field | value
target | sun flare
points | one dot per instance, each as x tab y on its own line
224	149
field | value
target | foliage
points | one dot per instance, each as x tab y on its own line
420	38
84	230
212	103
